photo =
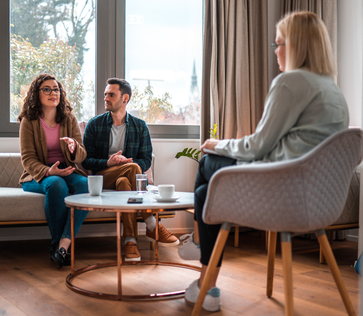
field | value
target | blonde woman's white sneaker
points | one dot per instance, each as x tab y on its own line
189	250
212	301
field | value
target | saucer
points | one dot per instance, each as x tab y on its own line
160	199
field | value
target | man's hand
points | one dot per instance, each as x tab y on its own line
54	171
209	144
118	159
71	144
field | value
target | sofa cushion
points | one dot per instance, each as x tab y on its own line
17	205
10	170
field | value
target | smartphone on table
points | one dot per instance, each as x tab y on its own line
134	201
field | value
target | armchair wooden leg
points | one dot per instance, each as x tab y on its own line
287	273
216	254
236	236
329	256
321	256
271	251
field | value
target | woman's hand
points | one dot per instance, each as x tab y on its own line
71	144
55	171
209	144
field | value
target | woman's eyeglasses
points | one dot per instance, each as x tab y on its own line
276	46
48	91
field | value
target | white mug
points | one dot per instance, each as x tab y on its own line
95	184
166	191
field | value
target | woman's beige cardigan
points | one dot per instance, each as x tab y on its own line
33	148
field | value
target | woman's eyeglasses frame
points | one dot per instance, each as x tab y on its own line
57	91
276	46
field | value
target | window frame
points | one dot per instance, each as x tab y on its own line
110	62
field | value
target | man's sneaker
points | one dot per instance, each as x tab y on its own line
166	238
132	252
212	301
189	250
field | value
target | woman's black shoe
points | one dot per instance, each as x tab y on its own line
67	260
58	255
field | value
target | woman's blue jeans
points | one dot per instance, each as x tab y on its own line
56	189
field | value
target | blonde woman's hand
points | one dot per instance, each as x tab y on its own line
71	144
209	144
55	171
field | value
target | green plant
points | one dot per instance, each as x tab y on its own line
213	131
192	153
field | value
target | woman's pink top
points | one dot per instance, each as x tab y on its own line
52	137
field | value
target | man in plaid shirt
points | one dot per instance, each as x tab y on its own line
119	147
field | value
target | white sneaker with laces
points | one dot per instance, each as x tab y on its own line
212	301
189	250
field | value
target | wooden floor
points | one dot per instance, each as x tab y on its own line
30	284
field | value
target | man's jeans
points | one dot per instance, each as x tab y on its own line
56	189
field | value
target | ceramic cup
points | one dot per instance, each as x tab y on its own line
166	191
95	184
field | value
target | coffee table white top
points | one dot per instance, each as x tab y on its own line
118	200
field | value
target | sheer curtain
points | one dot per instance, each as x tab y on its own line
235	80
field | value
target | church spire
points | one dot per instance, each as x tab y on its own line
194	90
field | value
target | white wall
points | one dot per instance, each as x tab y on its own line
350	56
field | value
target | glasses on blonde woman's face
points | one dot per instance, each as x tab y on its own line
276	46
48	91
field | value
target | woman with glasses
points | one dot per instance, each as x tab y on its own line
50	146
303	107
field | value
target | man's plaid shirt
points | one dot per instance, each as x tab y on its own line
97	136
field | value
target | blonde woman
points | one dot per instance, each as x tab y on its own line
51	145
303	107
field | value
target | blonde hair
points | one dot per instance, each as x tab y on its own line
307	43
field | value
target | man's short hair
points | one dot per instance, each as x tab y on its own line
124	86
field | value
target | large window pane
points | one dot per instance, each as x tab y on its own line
164	59
56	37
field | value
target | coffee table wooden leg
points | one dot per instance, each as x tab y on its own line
157	237
72	240
119	287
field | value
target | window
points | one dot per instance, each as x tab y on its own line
164	60
55	37
112	23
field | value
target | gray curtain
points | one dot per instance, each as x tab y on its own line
235	80
325	9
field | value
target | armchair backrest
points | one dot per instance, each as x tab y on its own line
298	195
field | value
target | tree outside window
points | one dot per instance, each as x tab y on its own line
51	37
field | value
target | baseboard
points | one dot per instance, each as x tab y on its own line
352	238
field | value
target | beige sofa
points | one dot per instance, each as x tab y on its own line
23	208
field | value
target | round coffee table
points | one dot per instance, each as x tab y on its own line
116	201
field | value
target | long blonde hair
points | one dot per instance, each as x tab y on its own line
307	43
